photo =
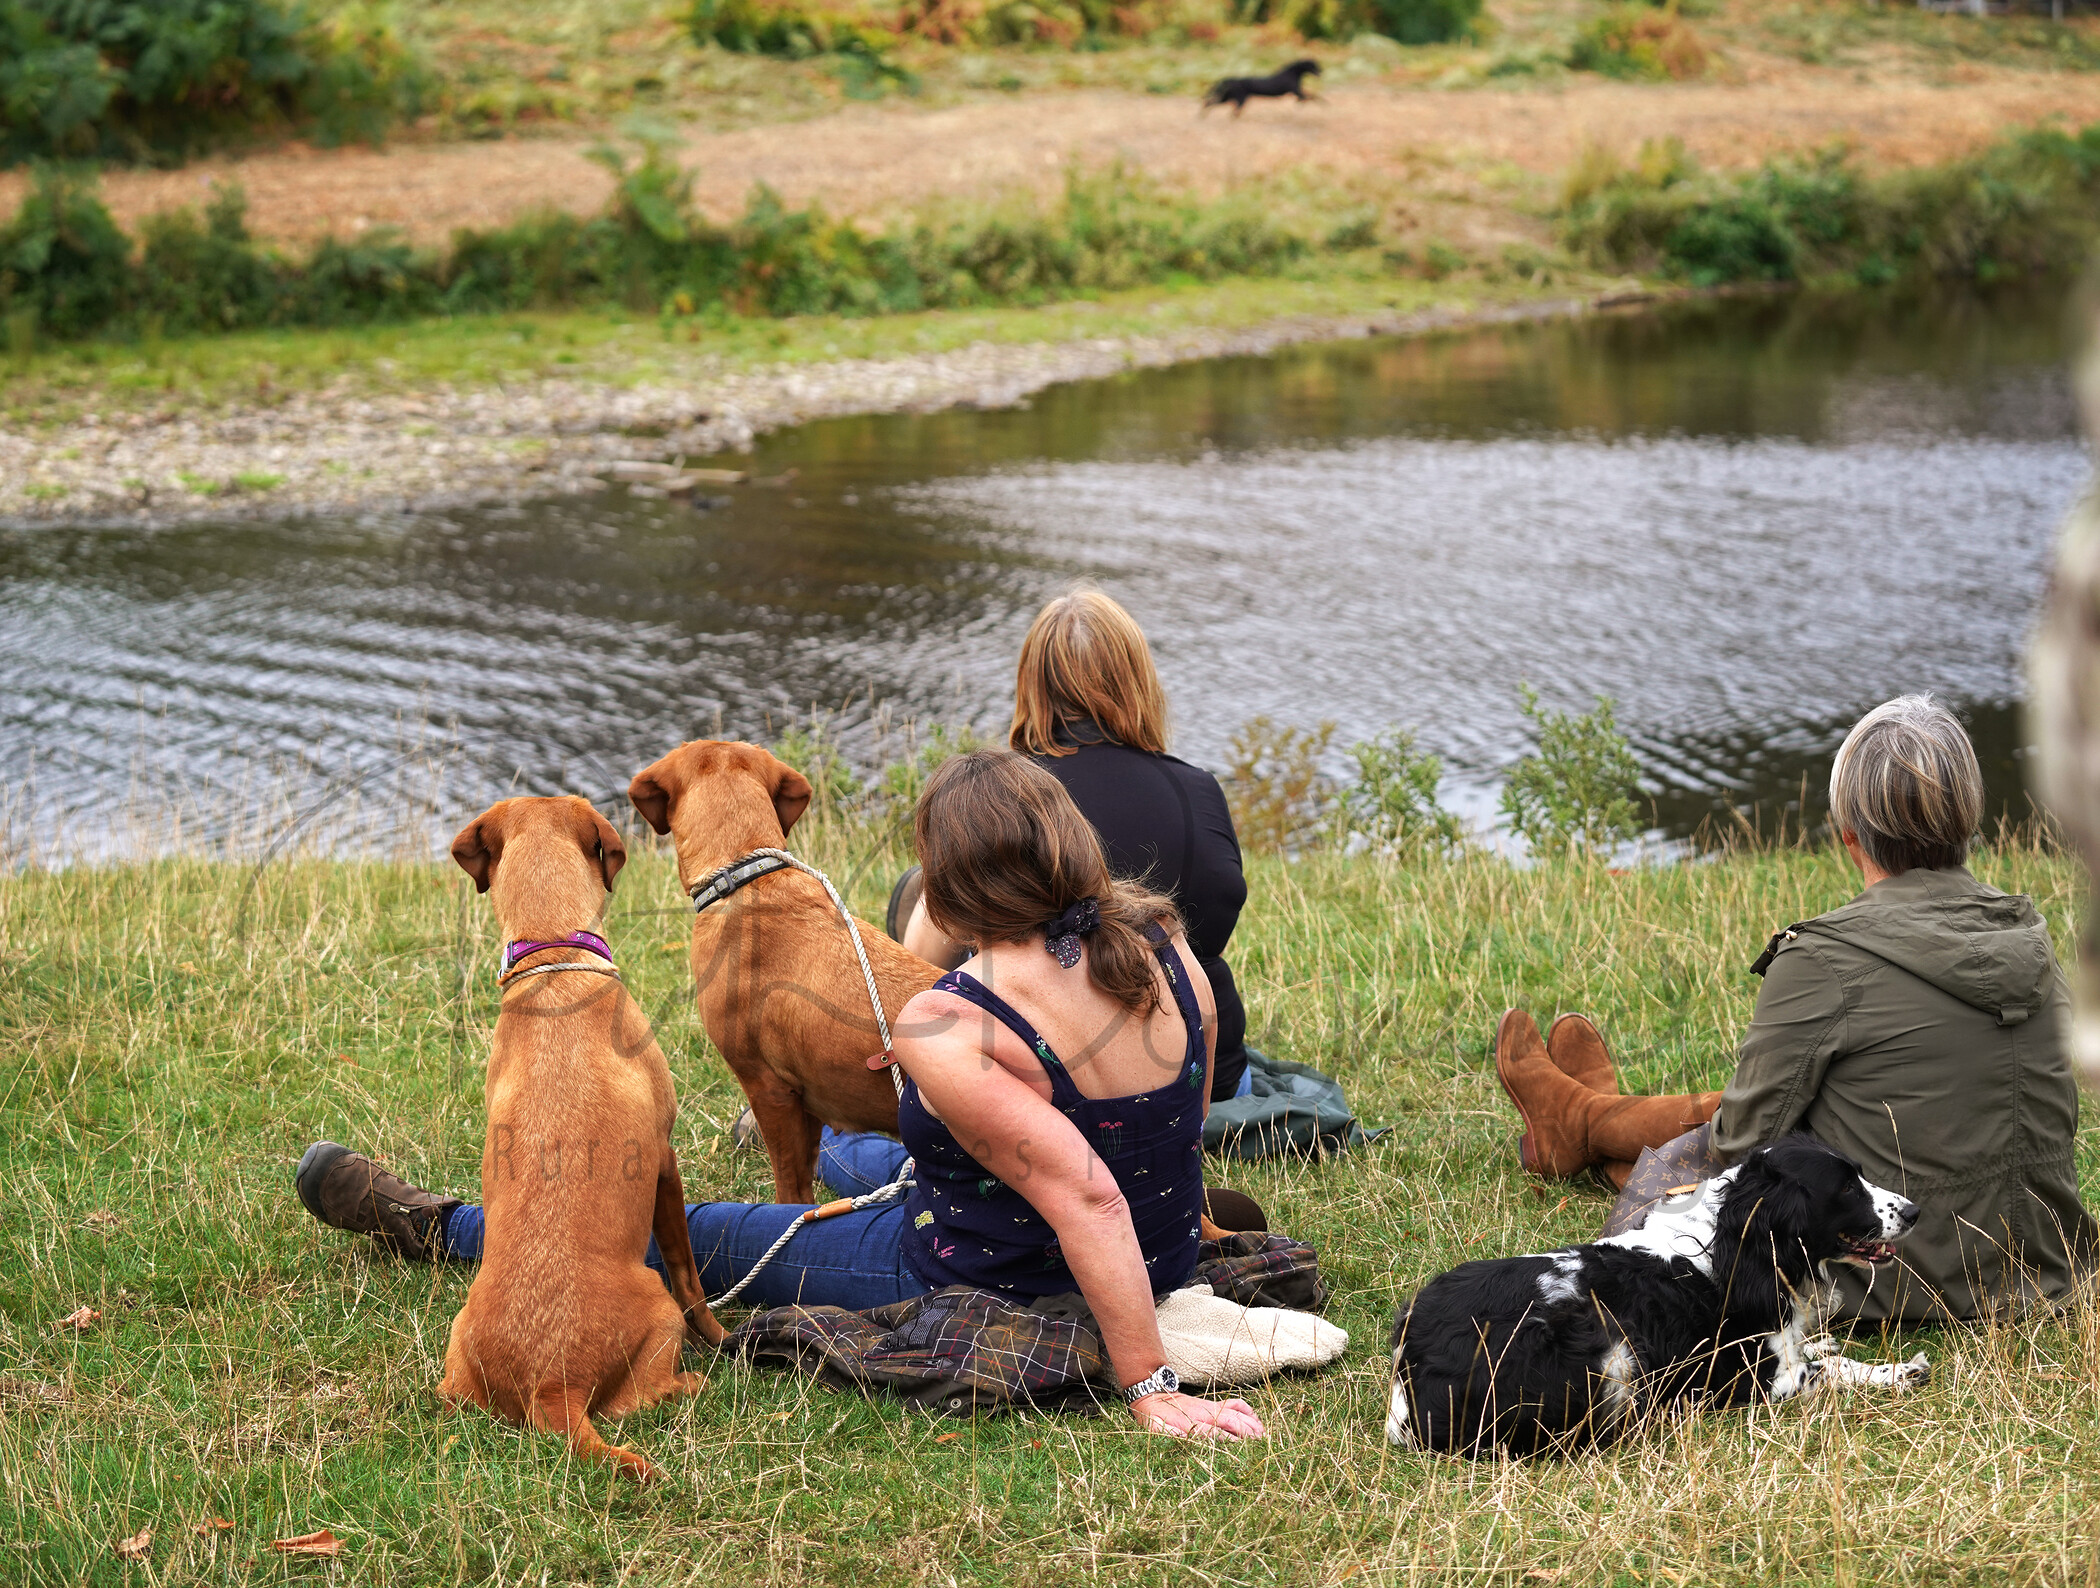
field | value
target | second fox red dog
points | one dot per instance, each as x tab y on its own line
780	989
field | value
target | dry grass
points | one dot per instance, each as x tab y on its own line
176	1031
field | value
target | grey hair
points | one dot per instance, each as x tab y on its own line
1907	786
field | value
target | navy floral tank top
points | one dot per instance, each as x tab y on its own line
965	1226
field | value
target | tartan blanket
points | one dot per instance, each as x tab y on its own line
961	1351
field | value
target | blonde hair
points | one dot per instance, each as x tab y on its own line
1907	787
1085	659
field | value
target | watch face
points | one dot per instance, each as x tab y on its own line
1169	1381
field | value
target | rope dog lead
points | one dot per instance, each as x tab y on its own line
749	868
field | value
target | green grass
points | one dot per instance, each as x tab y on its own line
175	1032
56	385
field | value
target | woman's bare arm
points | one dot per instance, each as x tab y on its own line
1011	1130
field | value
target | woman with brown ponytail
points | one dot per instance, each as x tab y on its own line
1058	1077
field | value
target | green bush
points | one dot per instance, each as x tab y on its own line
2029	204
1405	21
1638	42
1393	803
64	264
1424	21
205	275
1576	789
1281	797
118	79
782	28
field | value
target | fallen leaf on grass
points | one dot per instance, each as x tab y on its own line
103	1219
188	969
344	1058
136	1547
79	1321
319	1543
211	1525
944	1438
670	948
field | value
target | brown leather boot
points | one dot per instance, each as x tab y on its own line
1568	1127
348	1191
1614	1173
1555	1142
1619	1127
1577	1049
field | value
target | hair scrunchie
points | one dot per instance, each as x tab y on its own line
1061	937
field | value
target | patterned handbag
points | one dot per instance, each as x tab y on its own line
1674	1168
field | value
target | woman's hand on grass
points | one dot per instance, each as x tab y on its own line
1184	1416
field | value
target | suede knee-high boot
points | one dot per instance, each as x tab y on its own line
1569	1128
1577	1049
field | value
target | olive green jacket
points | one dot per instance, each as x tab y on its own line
1920	1030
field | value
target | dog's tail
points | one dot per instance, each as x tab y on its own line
563	1409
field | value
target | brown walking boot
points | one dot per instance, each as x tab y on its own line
1569	1128
348	1191
1577	1049
1554	1142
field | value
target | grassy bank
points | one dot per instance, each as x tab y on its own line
175	1033
2026	206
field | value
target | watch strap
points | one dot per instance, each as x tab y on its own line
1161	1381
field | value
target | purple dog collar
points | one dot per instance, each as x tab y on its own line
589	942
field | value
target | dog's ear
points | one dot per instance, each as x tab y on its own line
479	845
653	789
603	844
1760	1259
791	795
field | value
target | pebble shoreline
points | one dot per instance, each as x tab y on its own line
332	454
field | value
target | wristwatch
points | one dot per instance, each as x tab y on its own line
1165	1381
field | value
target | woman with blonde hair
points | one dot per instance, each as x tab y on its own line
1918	1029
1089	710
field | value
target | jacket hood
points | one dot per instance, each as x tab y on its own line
1989	949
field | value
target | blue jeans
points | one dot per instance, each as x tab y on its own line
854	1260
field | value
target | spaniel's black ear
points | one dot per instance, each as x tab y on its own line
1761	1261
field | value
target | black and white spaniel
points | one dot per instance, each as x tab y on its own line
1715	1299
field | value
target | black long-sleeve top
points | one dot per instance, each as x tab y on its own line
1166	823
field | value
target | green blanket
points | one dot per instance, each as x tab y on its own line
1293	1108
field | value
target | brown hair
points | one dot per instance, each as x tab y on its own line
1006	852
1907	786
1085	659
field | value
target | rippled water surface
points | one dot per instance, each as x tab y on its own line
1746	521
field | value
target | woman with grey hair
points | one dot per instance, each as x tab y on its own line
1919	1029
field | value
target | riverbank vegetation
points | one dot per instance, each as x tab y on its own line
67	271
176	1030
2026	206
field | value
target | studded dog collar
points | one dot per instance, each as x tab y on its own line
735	875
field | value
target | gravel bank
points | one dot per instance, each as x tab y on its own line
337	453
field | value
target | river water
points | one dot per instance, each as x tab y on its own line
1745	521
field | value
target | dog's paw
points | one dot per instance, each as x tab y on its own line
1821	1346
1900	1376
